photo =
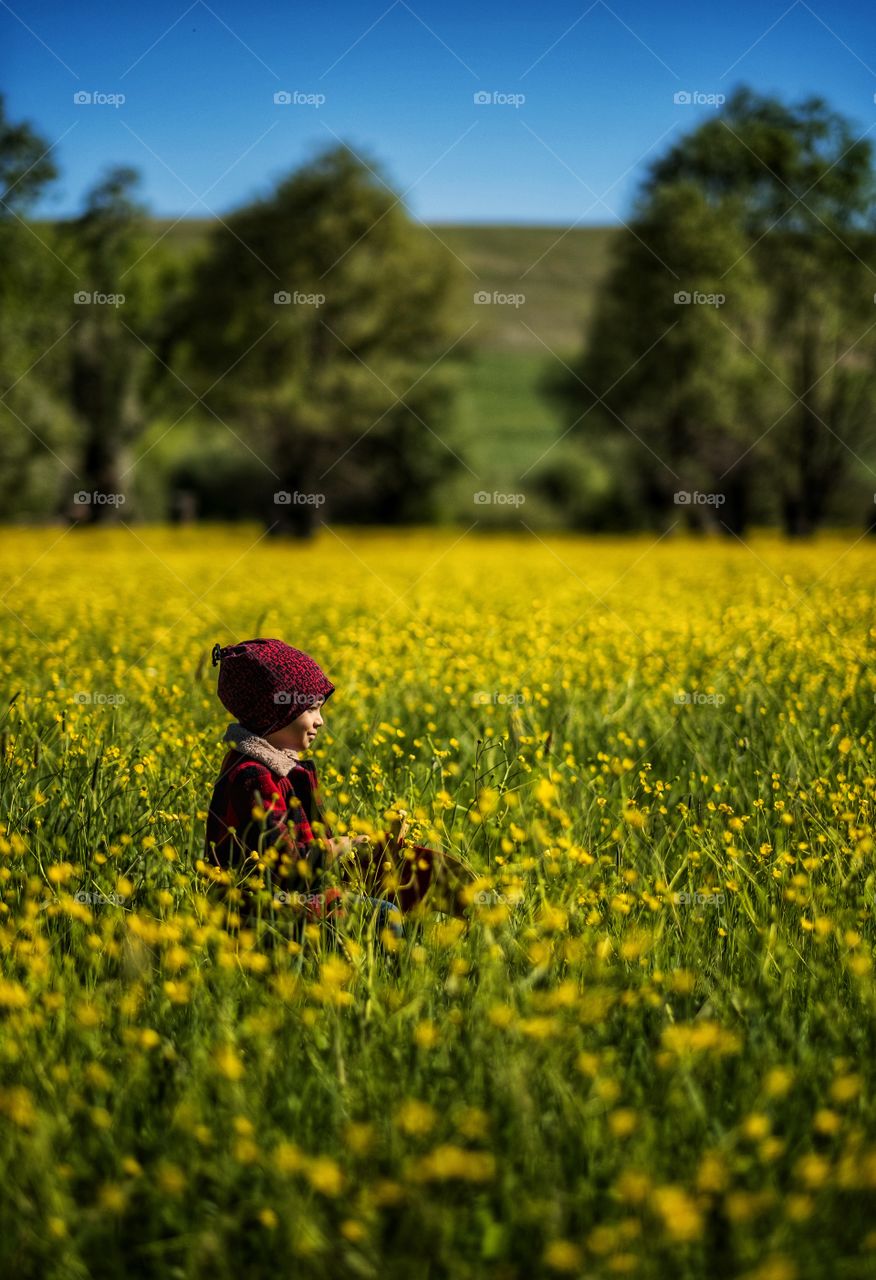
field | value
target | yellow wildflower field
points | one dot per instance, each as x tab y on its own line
647	1049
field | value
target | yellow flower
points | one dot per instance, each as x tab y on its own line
171	1179
353	1230
12	995
487	801
539	1028
845	1088
777	1082
87	1015
97	1075
682	1219
360	1138
112	1198
545	792
426	1035
755	1126
713	1174
415	1117
623	1122
17	1103
563	1255
228	1063
501	1015
451	1162
826	1121
287	1158
325	1176
813	1170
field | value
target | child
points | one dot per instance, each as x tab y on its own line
266	800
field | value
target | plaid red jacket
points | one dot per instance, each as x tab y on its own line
283	837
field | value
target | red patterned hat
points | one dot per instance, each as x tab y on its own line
266	684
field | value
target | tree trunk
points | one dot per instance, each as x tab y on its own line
734	513
805	508
100	500
296	506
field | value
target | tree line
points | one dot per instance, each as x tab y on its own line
726	378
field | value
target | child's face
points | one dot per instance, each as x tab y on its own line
301	733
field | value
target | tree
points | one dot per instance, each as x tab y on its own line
35	426
317	325
768	397
114	314
668	368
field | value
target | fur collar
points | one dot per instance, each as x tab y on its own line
279	760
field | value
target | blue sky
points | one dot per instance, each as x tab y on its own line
399	79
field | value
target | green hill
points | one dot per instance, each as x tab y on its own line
556	270
505	422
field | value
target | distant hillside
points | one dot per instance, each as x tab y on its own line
557	271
